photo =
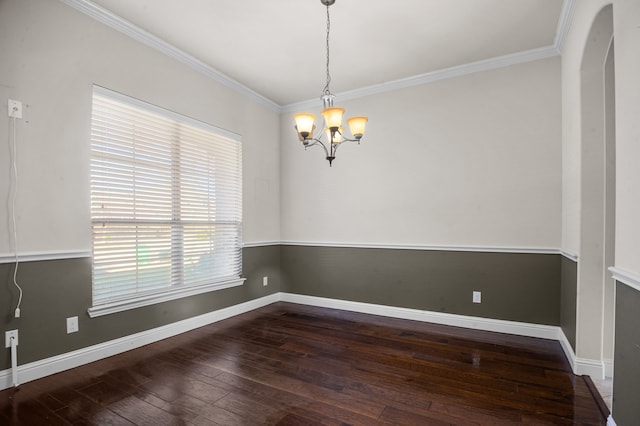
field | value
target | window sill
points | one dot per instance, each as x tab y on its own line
152	299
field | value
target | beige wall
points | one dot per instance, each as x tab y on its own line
492	159
572	52
626	14
584	75
51	56
578	193
469	161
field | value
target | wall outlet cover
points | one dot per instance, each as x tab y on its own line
477	297
15	108
7	338
72	325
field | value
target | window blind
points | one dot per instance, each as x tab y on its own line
166	201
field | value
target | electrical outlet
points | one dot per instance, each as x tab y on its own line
72	325
477	297
265	281
15	108
7	338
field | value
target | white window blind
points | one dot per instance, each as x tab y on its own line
166	204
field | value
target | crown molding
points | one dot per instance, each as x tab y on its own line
562	29
127	28
564	24
430	77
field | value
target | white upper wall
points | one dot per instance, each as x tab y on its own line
626	15
584	14
51	57
469	161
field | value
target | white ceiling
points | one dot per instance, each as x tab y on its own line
277	48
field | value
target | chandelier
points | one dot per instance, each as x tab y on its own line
305	122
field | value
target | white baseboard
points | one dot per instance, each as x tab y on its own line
608	368
610	421
578	365
589	367
568	350
478	323
38	369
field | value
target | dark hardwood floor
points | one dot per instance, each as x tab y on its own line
289	364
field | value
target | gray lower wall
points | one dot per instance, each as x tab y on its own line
568	299
626	372
514	286
57	289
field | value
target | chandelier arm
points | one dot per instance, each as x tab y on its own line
315	143
348	140
337	144
345	139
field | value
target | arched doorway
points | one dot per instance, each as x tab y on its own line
595	305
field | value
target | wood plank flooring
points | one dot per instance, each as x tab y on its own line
288	364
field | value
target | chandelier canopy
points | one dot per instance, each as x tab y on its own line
332	116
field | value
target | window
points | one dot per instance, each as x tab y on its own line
166	205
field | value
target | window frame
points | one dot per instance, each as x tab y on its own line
181	290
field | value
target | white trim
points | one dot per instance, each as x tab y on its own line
261	244
590	367
476	323
568	350
430	77
152	299
625	277
38	256
78	254
564	23
479	249
608	368
578	365
127	28
61	255
42	368
610	421
569	255
45	367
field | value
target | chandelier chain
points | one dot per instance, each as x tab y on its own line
326	87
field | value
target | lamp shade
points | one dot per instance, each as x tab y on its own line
304	123
357	125
333	116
